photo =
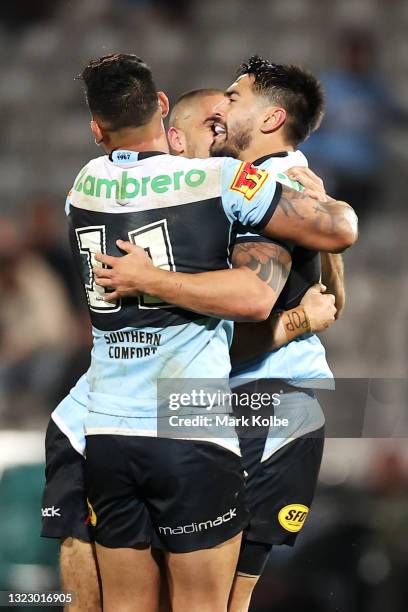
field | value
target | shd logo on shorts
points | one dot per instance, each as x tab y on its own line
292	517
196	527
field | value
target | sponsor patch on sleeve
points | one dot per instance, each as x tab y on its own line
248	180
292	517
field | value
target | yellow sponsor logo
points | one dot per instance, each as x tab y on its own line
92	514
248	180
292	517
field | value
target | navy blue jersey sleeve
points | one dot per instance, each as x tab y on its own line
245	234
249	237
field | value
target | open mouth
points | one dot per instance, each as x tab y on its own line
219	129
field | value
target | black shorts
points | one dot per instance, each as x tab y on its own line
179	495
280	490
64	507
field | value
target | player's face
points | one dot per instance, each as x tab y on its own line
198	129
236	126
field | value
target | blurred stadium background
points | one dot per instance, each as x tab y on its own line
353	555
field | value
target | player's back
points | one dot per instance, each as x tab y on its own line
182	212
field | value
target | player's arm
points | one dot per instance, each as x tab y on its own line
333	278
251	196
332	264
246	293
328	225
315	313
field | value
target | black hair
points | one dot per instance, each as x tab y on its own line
120	90
293	87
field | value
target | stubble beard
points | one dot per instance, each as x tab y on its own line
238	140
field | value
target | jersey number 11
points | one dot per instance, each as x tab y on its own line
153	238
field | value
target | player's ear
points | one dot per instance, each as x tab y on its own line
177	140
273	119
96	132
163	103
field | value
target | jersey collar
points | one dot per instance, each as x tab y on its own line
124	157
263	159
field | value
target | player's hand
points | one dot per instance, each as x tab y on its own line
319	307
313	184
126	275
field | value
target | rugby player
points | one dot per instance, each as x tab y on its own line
273	497
64	507
65	511
283	464
85	207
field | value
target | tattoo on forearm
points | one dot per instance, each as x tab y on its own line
270	262
288	202
323	214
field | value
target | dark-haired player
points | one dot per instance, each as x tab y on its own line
135	480
282	467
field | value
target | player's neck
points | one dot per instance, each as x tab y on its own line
258	150
147	138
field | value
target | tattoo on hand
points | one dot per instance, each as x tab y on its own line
295	319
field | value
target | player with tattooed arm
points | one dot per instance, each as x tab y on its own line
139	192
302	102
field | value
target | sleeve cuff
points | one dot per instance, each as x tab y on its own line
272	207
288	246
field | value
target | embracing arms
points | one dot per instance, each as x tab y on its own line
332	263
249	292
320	225
315	313
246	293
333	278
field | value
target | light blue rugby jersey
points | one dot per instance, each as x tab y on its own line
301	363
183	212
71	413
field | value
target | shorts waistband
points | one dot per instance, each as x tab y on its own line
270	385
